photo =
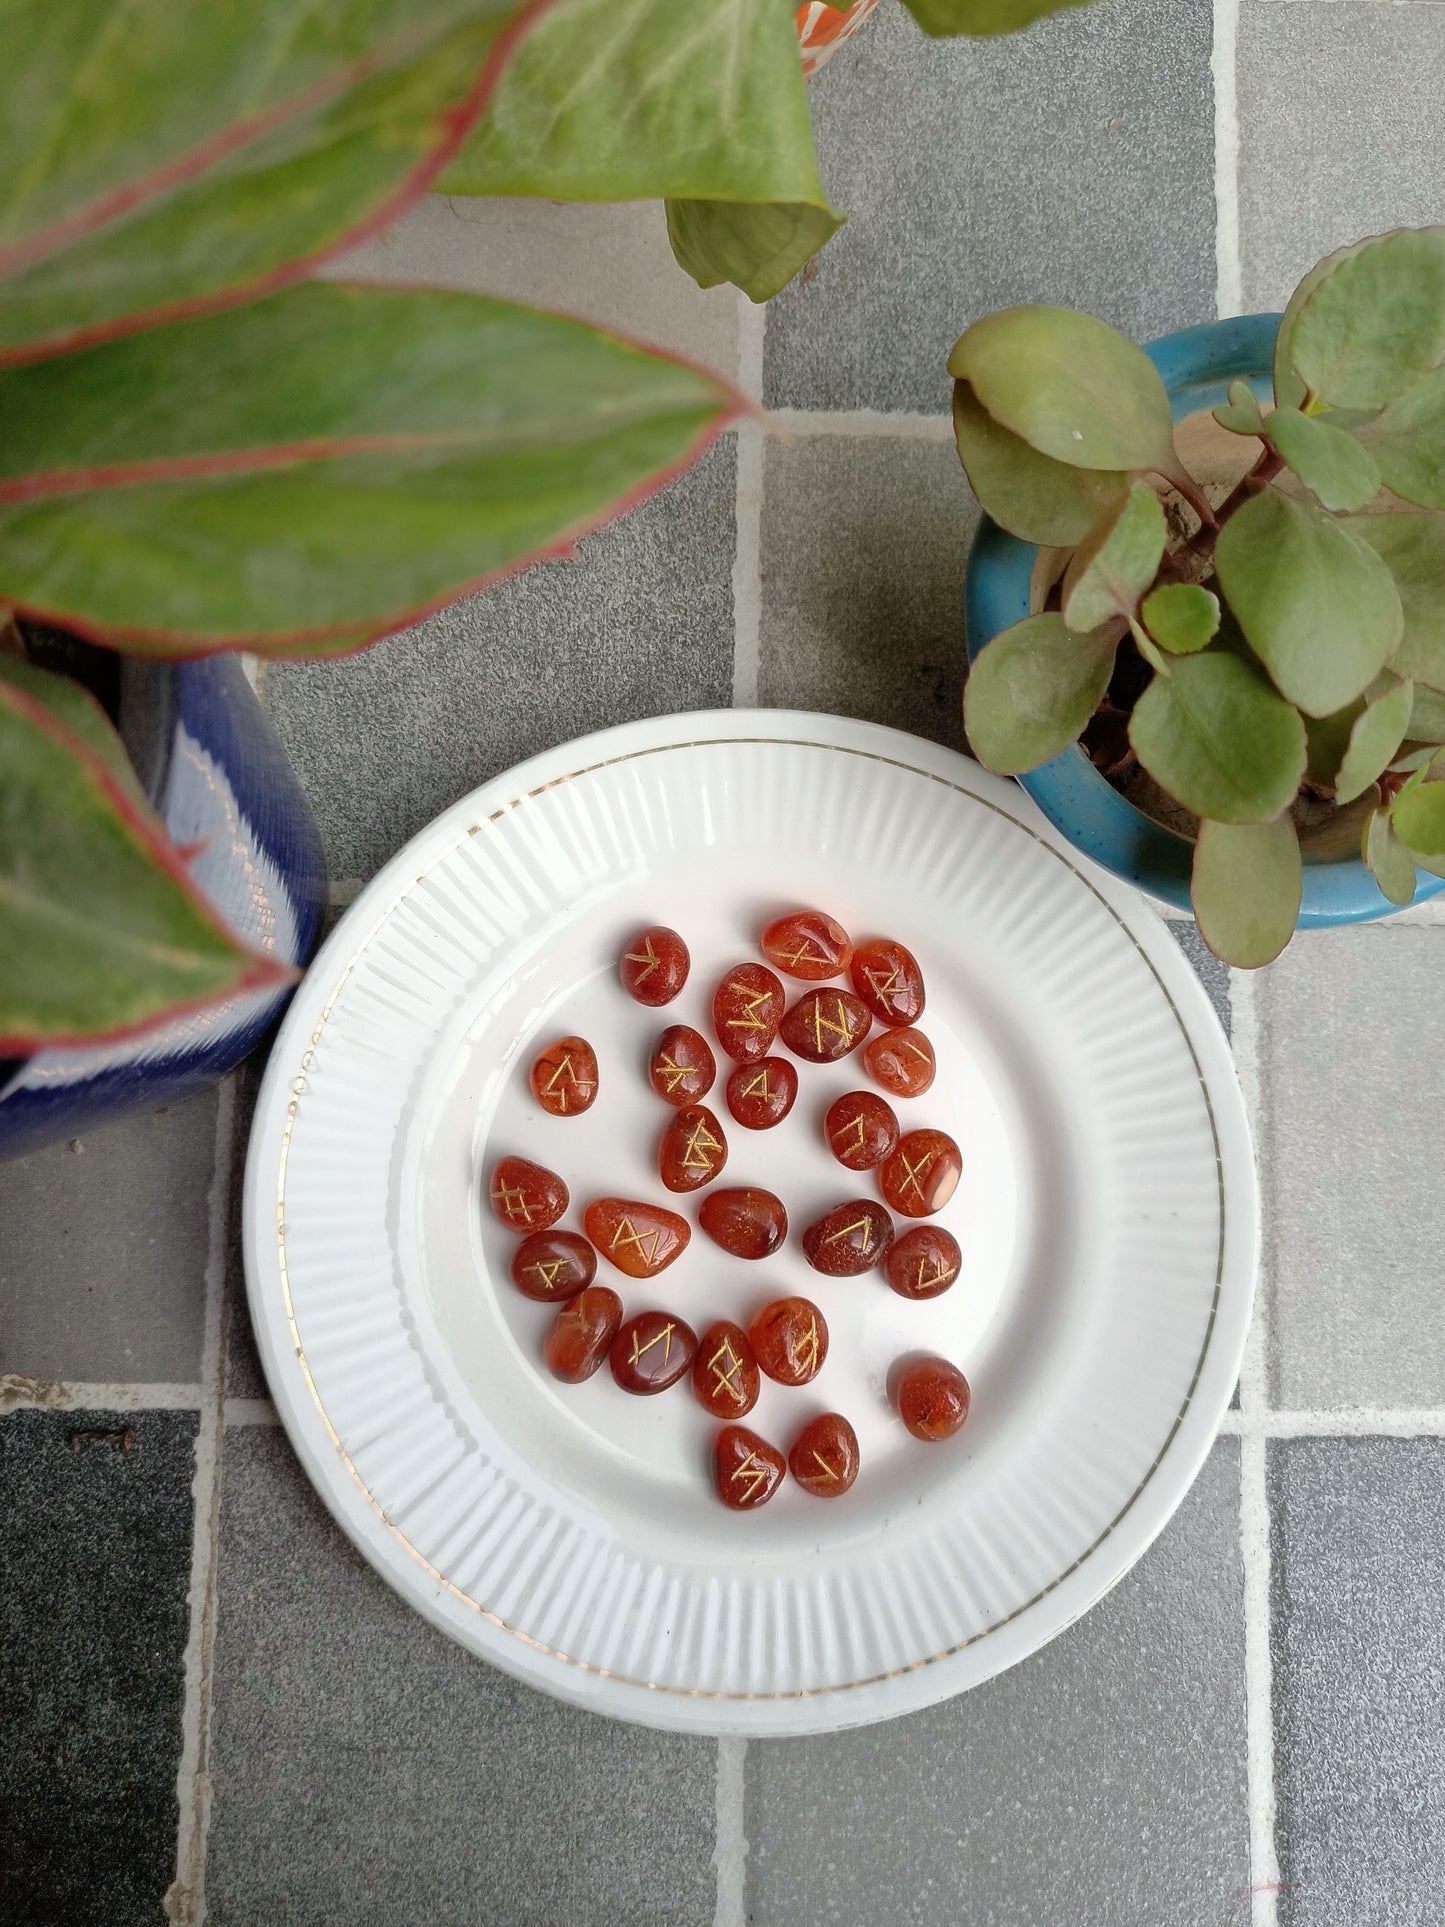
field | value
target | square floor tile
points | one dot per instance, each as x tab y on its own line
368	1771
95	1556
1352	1081
863	552
638	623
103	1258
1358	1574
1073	164
1100	1784
1339	130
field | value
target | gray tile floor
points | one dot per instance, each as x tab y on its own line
205	1691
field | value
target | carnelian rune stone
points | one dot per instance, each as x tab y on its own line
790	1340
652	1351
924	1262
901	1061
824	1458
808	944
922	1174
553	1266
581	1334
682	1067
761	1095
860	1130
640	1239
746	1222
933	1399
526	1196
725	1372
746	1011
693	1149
849	1239
747	1470
887	978
825	1025
654	966
564	1077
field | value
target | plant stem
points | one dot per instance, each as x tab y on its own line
1201	543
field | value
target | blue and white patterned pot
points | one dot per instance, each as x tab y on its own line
1198	365
213	767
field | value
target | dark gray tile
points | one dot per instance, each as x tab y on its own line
1213	974
103	1259
864	544
367	1770
244	1377
95	1559
638	623
1339	126
1101	1783
1071	164
1359	1695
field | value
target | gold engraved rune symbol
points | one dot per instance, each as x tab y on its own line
511	1200
865	1225
753	1473
568	1070
663	1338
548	1273
822	1023
626	1234
853	1130
753	1000
919	1051
933	1280
758	1087
726	1375
915	1172
674	1073
696	1158
882	986
806	952
827	1470
649	960
803	1354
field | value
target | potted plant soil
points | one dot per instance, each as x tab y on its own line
1206	613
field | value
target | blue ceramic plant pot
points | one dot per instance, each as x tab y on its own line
211	764
1198	365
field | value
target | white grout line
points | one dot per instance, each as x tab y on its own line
1229	278
185	1900
860	424
730	1855
249	1411
74	1395
747	559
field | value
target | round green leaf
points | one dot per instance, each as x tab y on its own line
1031	691
1315	602
1389	861
1376	734
1242	414
1116	562
1427	716
757	245
1408	443
1030	495
1246	889
1418	815
1374	320
1219	739
1071	386
1412	548
1330	463
1182	617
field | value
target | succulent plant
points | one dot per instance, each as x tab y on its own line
1271	659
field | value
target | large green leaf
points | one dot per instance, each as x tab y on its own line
1219	739
311	470
1390	863
1408	442
1116	562
1031	691
1418	815
1412	548
1377	732
1030	495
159	158
1073	387
1427	716
1246	889
941	17
756	245
101	929
1315	602
1373	320
77	711
1330	463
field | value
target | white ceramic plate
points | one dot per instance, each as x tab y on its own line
1108	1216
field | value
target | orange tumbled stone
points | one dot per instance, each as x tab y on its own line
860	1130
808	944
922	1174
746	1011
725	1373
682	1067
790	1340
640	1239
932	1398
824	1458
654	965
849	1239
526	1196
652	1351
825	1025
553	1266
564	1077
924	1262
887	978
901	1061
746	1469
693	1149
761	1095
582	1334
746	1222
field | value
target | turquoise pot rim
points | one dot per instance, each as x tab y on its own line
1197	365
